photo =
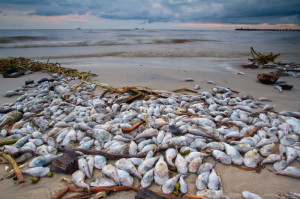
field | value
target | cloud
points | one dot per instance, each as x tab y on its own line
188	11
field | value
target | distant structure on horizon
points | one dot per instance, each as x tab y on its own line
267	29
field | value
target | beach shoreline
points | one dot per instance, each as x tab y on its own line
266	184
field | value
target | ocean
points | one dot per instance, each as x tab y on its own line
210	49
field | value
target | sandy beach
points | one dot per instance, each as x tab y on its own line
265	184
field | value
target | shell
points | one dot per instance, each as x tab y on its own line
66	163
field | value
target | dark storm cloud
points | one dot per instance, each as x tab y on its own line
196	11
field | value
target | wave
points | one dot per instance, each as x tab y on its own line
36	42
13	39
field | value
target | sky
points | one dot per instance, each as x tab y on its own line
149	14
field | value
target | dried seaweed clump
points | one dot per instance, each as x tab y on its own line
35	66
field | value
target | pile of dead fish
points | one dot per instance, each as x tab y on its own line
179	132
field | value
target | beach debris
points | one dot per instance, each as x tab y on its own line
155	137
189	79
14	165
290	195
278	88
147	194
11	118
267	78
240	73
197	87
249	195
211	82
286	86
65	179
66	163
12	73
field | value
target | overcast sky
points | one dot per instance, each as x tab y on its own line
149	13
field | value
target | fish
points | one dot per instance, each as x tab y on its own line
271	159
111	172
10	118
103	182
91	162
290	171
195	154
194	165
127	165
249	195
147	178
181	164
206	167
213	180
183	187
99	161
291	154
170	155
146	133
36	171
234	155
202	180
83	166
161	171
267	150
42	160
147	165
212	194
221	156
124	178
78	178
169	185
251	159
280	165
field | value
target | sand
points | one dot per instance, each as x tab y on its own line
235	181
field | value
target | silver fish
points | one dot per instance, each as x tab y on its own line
146	133
103	182
183	186
91	162
206	167
78	179
280	165
147	178
42	160
221	156
11	118
249	195
147	165
202	180
267	150
291	154
133	148
83	166
195	154
124	178
111	171
170	156
127	165
36	171
169	185
289	171
194	165
213	180
271	159
251	159
212	194
234	155
181	165
161	171
100	161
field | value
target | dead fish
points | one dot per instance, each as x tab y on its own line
290	172
267	150
278	88
83	166
103	182
170	156
161	171
36	171
124	178
42	160
249	195
146	133
221	156
11	118
71	136
147	178
133	148
251	159
291	154
202	180
91	162
169	185
181	165
271	159
99	161
126	165
195	154
213	180
147	165
78	179
280	165
234	155
194	165
183	185
111	171
211	194
206	167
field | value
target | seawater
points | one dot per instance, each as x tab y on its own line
154	47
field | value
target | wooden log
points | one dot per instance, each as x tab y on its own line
13	163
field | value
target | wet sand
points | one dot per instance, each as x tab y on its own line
235	181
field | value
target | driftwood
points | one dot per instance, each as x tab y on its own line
133	127
120	188
111	156
13	163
